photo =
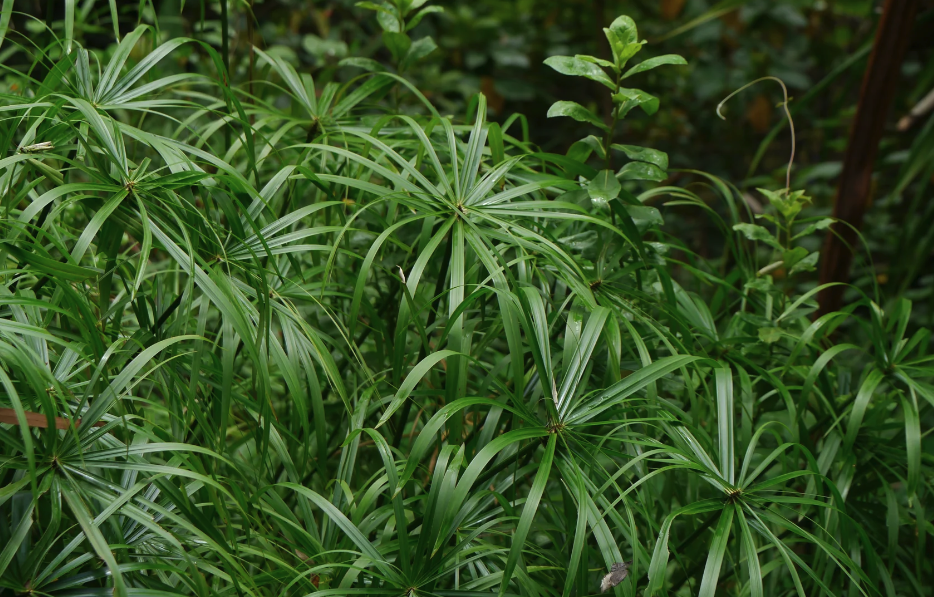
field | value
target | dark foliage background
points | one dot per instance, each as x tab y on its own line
819	48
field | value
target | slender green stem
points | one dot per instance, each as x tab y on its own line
225	56
608	139
791	123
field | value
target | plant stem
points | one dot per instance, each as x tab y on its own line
225	57
608	139
432	315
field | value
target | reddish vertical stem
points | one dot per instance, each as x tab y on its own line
853	193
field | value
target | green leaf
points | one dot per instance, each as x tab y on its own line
94	226
655	62
576	483
644	216
179	180
641	171
414	376
807	264
627	99
860	404
577	353
398	44
108	80
51	173
912	443
644	154
624	388
346	526
372	6
69	24
624	52
567	65
595	144
302	94
49	266
417	18
94	536
577	112
595	60
528	512
757	233
16	538
789	205
497	148
725	422
718	545
6	11
579	151
770	335
658	566
624	39
625	29
386	15
604	188
793	256
751	554
427	435
418	50
480	462
367	64
821	224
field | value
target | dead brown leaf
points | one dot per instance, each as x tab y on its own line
671	9
759	114
8	415
494	98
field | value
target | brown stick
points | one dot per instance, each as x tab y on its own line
8	415
853	194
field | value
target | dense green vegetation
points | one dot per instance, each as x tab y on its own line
278	328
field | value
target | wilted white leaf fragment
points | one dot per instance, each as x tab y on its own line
618	572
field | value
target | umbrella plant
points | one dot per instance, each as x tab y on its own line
273	337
